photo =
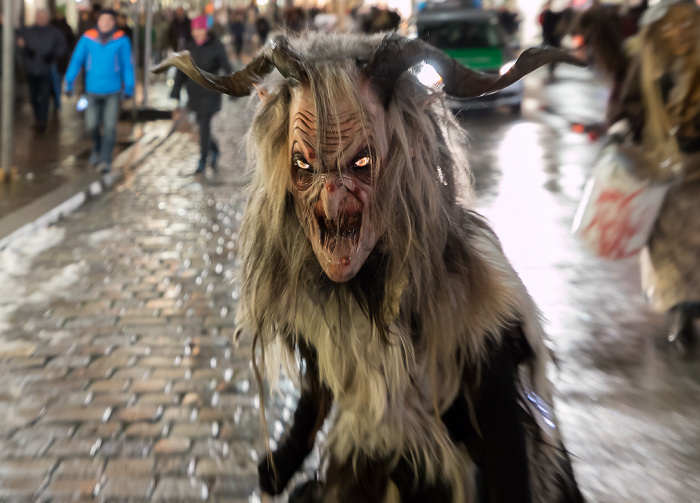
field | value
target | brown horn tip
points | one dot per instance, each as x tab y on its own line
172	60
277	53
396	55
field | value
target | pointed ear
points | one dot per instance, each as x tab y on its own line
263	93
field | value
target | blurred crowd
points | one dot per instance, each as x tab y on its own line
52	59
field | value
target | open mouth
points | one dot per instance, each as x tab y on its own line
343	227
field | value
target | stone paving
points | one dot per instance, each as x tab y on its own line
121	378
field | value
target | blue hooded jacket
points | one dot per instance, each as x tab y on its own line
107	64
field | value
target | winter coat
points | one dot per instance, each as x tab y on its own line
108	65
210	57
65	29
549	28
43	45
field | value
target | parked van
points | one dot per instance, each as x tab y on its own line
475	39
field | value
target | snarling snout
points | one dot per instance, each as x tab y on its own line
342	234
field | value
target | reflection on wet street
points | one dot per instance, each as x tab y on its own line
627	399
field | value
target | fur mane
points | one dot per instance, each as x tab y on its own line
423	188
431	295
684	105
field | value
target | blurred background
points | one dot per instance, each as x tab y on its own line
121	377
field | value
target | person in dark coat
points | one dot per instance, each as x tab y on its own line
123	25
208	54
40	47
237	28
59	70
263	28
550	35
179	33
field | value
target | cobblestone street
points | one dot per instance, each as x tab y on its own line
120	376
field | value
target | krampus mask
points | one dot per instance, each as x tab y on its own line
361	259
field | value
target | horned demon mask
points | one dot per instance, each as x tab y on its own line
334	163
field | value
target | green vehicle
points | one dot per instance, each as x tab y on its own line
475	39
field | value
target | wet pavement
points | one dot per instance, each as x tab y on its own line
60	154
121	379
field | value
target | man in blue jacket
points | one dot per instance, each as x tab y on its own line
105	55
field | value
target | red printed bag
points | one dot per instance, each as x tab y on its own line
618	209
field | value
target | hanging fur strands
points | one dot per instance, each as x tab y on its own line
360	255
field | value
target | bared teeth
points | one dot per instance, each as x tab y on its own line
344	227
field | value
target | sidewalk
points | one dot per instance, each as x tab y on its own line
121	377
577	95
59	155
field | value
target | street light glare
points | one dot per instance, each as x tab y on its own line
428	76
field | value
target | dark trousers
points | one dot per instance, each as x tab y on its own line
56	86
39	93
206	141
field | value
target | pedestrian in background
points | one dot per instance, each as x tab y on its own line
40	47
209	54
252	12
179	34
59	69
123	25
263	28
105	53
237	28
160	25
85	22
550	35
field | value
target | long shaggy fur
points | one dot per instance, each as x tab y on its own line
395	342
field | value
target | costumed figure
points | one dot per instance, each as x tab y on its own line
659	105
392	300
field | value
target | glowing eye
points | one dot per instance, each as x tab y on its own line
362	162
302	165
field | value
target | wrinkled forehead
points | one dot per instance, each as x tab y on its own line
348	130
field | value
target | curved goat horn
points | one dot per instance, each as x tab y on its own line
277	53
397	54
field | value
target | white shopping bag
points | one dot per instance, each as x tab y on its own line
618	209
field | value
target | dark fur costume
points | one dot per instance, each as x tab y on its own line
498	450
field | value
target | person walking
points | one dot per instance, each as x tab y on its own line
59	69
263	28
179	33
123	25
105	53
237	28
209	54
550	35
40	47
